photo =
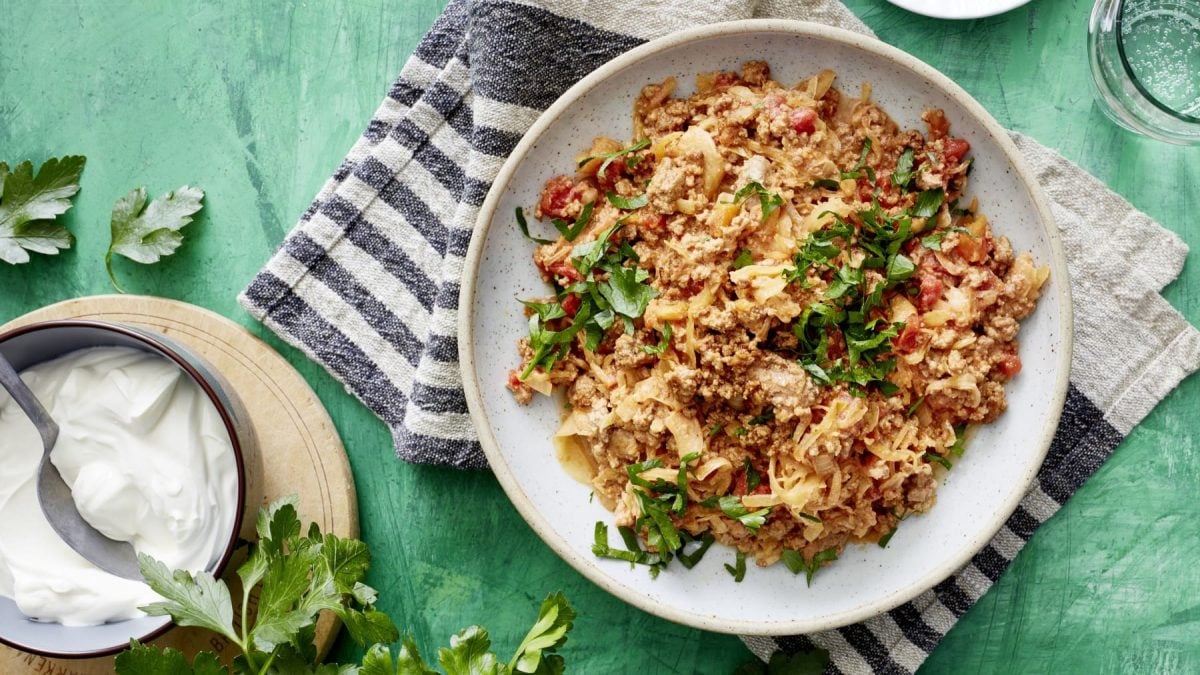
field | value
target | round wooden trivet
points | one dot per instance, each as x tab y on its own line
300	450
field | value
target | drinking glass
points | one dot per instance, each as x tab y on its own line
1145	57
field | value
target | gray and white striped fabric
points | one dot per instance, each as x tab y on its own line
367	284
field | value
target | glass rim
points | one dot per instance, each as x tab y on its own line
1120	31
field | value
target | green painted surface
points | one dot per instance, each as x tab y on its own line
257	102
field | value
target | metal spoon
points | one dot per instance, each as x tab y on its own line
114	557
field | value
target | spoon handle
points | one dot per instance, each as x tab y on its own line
23	395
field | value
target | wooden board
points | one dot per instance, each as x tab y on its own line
299	447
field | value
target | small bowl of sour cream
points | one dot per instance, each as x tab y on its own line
154	445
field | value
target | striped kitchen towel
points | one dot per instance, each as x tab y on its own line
368	282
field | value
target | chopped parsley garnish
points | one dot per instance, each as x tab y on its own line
608	157
743	259
928	203
883	541
809	516
768	201
569	232
753	480
960	441
622	293
689	560
934	457
903	174
850	308
827	184
796	563
763	417
716	429
663	343
732	506
934	241
861	167
738	569
740	431
524	225
627	203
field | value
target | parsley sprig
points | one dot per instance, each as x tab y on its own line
796	563
299	576
768	201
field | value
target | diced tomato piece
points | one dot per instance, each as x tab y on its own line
931	291
909	339
570	304
514	380
955	149
764	488
566	270
556	195
1010	365
803	120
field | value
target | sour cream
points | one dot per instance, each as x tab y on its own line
148	461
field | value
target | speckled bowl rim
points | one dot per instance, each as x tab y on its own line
539	522
172	352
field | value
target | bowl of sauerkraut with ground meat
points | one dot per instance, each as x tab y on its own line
766	328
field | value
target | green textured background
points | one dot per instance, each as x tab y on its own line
257	102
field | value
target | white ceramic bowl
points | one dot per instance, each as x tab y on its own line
976	497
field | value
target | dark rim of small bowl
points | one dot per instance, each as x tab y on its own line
230	428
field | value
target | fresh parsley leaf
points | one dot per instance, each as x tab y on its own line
610	156
928	203
740	431
794	560
883	541
738	569
585	256
810	517
827	184
626	292
545	310
732	506
145	232
469	654
903	174
828	555
899	268
960	441
524	226
743	259
934	457
569	232
690	560
378	660
663	343
767	201
140	659
548	633
716	429
628	203
857	171
30	203
199	600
